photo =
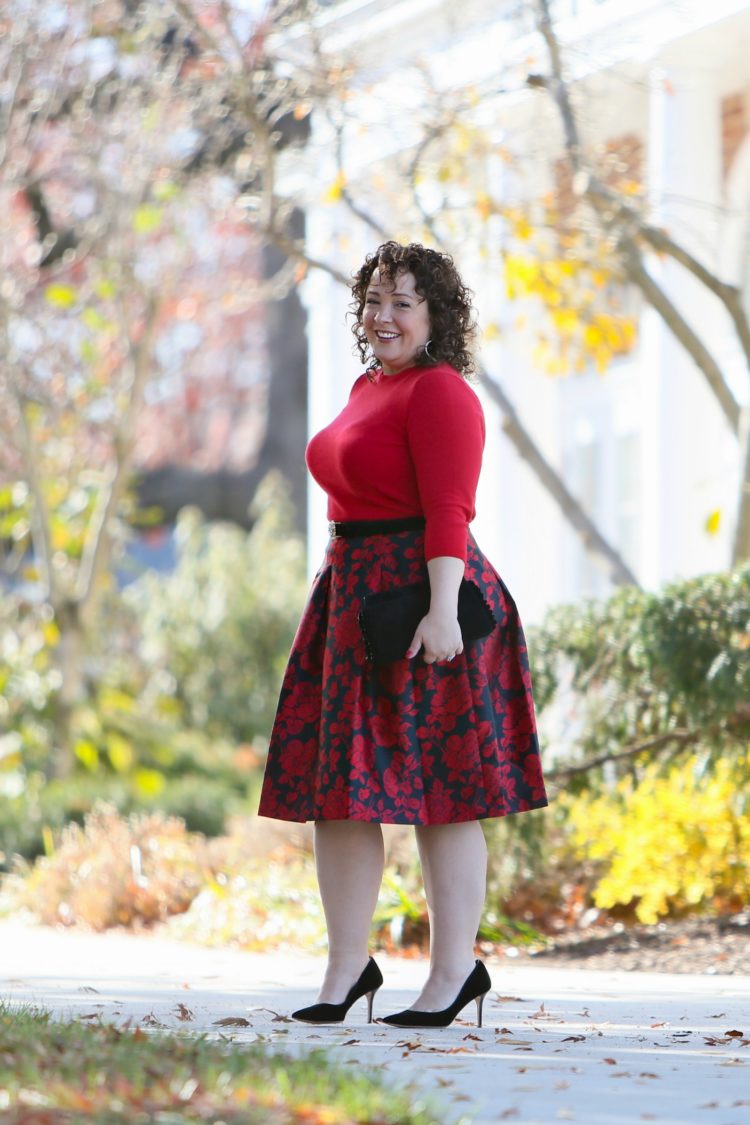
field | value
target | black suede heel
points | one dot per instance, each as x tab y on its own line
475	987
368	984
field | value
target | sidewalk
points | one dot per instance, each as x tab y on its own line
558	1045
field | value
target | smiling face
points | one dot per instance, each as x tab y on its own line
396	321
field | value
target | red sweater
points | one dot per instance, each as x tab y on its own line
405	445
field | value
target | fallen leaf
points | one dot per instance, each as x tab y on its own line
503	1031
507	1114
349	1042
647	1074
735	1034
151	1021
543	1014
509	999
662	1024
232	1021
574	1039
184	1013
90	1016
478	1038
610	1062
87	988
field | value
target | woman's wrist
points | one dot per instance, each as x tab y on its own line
445	574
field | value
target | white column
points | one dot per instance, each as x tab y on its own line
683	427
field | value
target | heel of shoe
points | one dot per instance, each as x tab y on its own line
480	1003
370	997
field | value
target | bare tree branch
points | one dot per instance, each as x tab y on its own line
619	216
601	551
676	739
98	543
39	514
658	742
681	330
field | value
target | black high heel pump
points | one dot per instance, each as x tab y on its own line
369	982
475	987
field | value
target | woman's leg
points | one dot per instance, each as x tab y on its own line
454	868
349	857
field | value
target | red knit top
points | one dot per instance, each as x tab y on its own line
405	445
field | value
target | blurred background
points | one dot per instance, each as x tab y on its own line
186	187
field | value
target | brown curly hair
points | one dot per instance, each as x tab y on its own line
452	325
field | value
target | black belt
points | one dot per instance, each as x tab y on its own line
354	529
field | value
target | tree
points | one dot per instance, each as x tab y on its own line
100	273
305	78
577	252
627	226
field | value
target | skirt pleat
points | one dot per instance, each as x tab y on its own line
409	743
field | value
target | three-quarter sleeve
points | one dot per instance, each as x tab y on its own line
445	430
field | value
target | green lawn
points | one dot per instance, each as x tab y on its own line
53	1072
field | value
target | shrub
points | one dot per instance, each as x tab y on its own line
114	872
670	669
181	684
216	633
672	842
653	689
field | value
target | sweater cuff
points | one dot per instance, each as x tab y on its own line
446	539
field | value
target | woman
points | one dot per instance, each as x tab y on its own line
446	735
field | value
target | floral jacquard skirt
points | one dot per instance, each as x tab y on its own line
408	743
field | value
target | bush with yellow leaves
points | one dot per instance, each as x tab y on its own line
673	842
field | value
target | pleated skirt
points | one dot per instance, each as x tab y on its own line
408	743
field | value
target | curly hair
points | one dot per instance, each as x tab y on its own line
452	325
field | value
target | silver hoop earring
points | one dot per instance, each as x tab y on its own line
427	352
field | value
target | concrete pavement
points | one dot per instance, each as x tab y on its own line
604	1048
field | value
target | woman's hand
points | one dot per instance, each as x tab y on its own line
439	633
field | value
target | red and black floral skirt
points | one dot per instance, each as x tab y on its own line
408	743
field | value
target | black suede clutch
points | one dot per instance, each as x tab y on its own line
389	619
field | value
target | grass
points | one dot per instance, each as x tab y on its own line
74	1072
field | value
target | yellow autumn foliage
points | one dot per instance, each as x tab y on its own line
672	842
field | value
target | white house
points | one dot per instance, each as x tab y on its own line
645	447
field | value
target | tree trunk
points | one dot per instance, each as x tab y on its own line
70	655
741	545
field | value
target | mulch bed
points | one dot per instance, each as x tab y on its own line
690	945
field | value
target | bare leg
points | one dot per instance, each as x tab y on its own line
349	858
454	867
